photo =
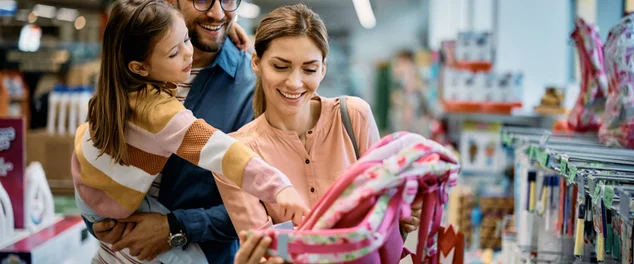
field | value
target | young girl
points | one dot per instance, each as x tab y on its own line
135	123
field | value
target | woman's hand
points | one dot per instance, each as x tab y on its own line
252	250
411	224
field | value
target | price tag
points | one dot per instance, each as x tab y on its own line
572	173
563	165
597	192
608	196
507	139
543	158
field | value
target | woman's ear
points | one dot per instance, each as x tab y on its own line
255	65
138	68
323	69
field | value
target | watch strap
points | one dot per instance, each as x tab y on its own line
174	224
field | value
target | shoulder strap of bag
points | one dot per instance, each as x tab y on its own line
347	124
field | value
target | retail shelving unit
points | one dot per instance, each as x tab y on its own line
594	213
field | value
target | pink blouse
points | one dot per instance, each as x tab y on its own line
312	168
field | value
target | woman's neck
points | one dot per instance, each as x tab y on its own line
300	122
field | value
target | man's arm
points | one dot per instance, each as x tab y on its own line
202	225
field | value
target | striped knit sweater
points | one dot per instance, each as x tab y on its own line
160	126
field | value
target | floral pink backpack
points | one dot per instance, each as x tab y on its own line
586	114
617	128
357	220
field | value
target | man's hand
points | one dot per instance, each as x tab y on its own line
411	224
149	237
111	231
239	37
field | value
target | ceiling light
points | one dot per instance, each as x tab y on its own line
67	14
248	10
365	14
44	11
80	22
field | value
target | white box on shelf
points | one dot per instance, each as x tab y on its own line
480	148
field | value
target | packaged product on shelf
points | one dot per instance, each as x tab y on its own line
14	94
12	165
481	149
6	217
586	114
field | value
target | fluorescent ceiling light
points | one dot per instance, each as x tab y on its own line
248	10
365	14
67	14
44	11
8	5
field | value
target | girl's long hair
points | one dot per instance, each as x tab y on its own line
133	29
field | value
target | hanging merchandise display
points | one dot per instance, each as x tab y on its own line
617	128
398	170
587	190
586	114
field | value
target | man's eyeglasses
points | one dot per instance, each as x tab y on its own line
227	5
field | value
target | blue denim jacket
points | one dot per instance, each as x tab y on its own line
221	94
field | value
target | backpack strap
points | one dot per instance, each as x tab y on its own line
347	123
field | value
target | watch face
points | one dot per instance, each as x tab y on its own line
178	240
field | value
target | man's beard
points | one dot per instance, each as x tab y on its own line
215	46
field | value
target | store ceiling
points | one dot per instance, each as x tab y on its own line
339	15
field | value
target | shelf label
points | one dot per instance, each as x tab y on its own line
572	173
563	165
608	196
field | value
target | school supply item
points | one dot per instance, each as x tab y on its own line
586	114
617	127
357	220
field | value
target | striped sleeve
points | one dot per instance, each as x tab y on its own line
176	130
111	190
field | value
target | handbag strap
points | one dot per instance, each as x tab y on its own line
347	123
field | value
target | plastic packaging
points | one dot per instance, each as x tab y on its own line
6	216
39	205
73	109
62	116
83	99
586	114
53	108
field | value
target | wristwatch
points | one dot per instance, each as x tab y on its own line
177	237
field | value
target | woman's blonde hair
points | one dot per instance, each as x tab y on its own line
287	21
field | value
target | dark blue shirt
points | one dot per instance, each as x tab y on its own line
221	94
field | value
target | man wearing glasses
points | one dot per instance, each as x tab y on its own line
220	91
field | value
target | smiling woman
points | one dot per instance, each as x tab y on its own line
296	131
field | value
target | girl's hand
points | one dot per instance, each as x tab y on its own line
239	37
292	204
252	250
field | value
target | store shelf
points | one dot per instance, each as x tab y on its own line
603	177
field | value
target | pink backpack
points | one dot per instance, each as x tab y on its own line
586	114
617	128
357	220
